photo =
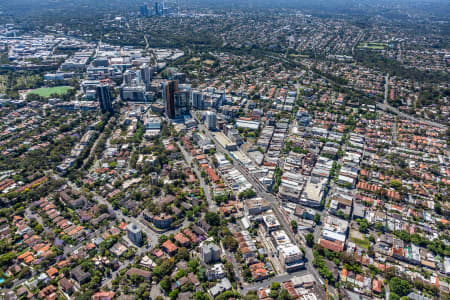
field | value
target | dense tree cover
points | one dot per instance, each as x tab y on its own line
33	194
395	68
212	218
48	157
363	226
227	295
11	82
221	198
399	286
335	79
319	263
347	260
247	194
437	246
432	95
251	295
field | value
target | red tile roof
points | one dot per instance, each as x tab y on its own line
376	286
336	246
169	246
181	238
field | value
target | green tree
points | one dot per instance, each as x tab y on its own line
163	238
173	294
231	243
201	296
6	258
437	207
251	295
165	283
166	266
396	184
379	226
317	218
229	269
182	254
363	226
193	265
393	296
294	225
212	218
310	240
247	194
157	272
399	286
284	295
275	286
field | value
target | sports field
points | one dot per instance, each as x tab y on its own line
47	92
373	45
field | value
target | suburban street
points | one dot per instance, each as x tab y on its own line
266	283
188	157
384	106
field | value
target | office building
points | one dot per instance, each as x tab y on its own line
182	100
176	101
128	77
271	223
136	84
211	120
134	234
144	10
169	90
133	77
104	97
247	124
133	93
88	85
197	100
180	77
152	122
146	74
313	192
257	205
158	10
290	257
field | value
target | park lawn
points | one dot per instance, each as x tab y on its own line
47	92
365	243
299	55
3	83
373	45
208	62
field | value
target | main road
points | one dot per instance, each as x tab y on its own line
261	192
385	106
